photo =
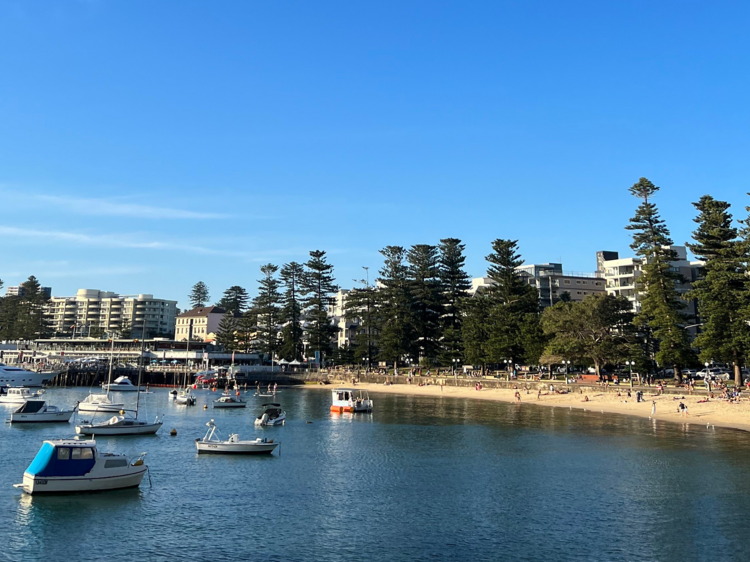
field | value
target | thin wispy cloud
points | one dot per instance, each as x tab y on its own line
115	208
110	241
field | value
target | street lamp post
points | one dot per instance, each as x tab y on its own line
507	372
567	368
630	366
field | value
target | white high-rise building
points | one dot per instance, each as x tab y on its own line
94	309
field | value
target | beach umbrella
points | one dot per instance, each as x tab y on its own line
283	362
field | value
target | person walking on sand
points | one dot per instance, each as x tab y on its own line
539	394
518	397
653	407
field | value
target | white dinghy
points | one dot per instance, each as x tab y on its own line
212	444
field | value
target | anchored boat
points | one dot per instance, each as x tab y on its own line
66	465
350	400
272	415
122	384
212	444
229	401
20	395
40	411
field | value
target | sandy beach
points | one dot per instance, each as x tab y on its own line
716	412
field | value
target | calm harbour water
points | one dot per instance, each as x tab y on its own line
419	479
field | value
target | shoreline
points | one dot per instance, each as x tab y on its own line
719	413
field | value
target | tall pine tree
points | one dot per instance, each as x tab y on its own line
513	303
722	291
235	299
661	307
198	295
267	306
397	332
427	305
454	286
319	288
292	346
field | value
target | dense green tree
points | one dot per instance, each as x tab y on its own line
199	295
427	300
235	300
10	307
361	305
475	330
395	307
454	286
722	291
226	333
598	329
661	307
247	326
30	322
292	347
318	288
267	305
513	302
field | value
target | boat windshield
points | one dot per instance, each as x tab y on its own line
31	407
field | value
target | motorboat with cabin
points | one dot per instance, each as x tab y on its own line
20	395
272	415
68	465
350	400
36	411
16	376
99	403
122	384
229	401
212	444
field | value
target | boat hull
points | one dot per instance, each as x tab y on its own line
230	404
352	409
146	429
112	408
122	388
68	485
236	448
42	418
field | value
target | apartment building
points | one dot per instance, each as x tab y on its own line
551	282
621	275
94	309
17	291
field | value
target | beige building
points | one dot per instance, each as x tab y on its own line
551	282
201	323
108	311
621	275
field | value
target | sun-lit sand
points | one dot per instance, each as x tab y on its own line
714	412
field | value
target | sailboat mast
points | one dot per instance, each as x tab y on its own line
111	356
140	367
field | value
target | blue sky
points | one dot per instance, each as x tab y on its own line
147	145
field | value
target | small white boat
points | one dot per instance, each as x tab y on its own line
122	384
40	411
185	397
272	415
67	465
99	403
229	401
350	400
120	425
20	395
212	444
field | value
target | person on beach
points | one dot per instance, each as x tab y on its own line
653	407
539	394
518	397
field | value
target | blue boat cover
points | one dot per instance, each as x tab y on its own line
46	464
